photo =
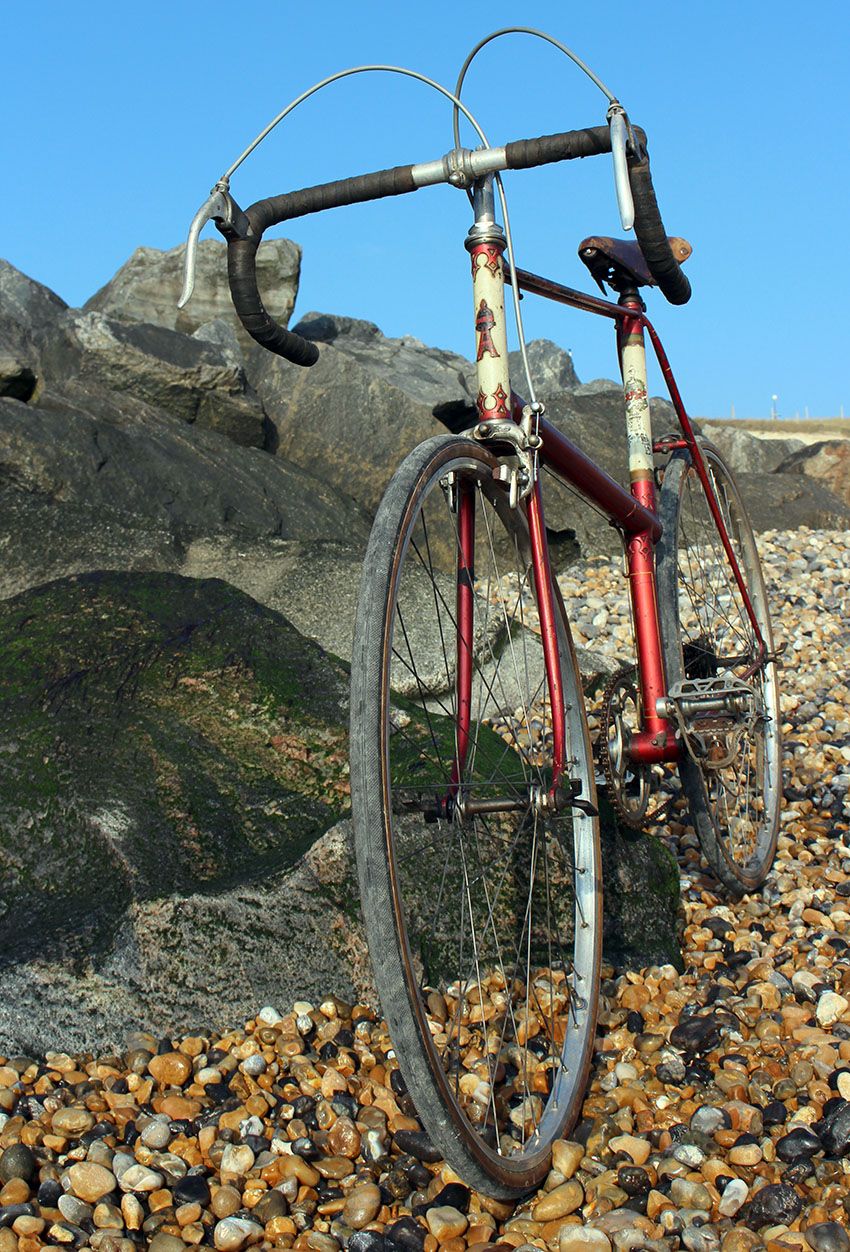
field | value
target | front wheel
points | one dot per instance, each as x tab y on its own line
731	770
482	906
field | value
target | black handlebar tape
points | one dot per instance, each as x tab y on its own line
242	253
652	236
260	325
524	153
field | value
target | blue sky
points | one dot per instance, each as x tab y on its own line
118	119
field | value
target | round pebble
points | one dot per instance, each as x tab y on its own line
17	1161
90	1182
361	1205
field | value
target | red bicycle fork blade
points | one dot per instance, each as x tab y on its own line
542	571
465	623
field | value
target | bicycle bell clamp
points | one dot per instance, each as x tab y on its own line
523	438
221	208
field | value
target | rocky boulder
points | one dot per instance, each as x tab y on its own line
364	405
592	415
193	380
111	483
746	453
788	501
31	316
148	285
552	369
167	743
827	462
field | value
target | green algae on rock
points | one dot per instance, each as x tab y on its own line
159	735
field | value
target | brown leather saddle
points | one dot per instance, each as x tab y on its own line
620	263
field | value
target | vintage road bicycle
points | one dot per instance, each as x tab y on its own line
472	775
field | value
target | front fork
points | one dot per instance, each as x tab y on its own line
486	244
542	578
465	624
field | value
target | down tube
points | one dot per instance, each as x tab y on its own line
549	631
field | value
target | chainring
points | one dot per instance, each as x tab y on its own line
629	783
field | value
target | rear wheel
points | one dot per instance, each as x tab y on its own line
732	771
482	905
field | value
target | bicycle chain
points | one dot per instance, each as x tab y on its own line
625	813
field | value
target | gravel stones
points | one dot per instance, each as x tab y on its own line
91	1182
697	1034
835	1134
827	1237
831	1008
193	1189
17	1161
776	1203
72	1122
582	1239
446	1222
171	1069
800	1144
362	1205
567	1156
559	1202
733	1197
236	1161
234	1233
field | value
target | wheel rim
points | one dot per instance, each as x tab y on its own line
498	911
736	764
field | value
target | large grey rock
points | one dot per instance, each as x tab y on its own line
788	501
828	462
192	379
28	305
642	895
18	376
147	287
31	316
171	751
551	366
101	483
316	588
364	405
315	585
746	453
198	961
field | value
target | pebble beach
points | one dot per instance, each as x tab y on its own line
718	1112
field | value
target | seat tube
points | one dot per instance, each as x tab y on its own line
655	741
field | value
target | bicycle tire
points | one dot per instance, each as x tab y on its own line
470	1059
706	632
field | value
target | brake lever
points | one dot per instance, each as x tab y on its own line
221	208
625	203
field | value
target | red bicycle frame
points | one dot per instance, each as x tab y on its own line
633	512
